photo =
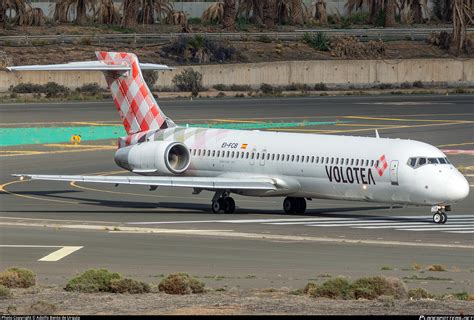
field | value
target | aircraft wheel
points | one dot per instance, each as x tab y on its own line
219	205
437	217
444	218
230	205
289	205
301	208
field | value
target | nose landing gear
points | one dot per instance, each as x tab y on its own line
439	215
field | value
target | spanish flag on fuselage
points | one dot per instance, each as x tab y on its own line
244	146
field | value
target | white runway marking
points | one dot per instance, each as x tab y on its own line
456	223
54	256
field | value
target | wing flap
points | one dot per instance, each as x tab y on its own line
216	183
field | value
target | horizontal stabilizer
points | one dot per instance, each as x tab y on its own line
90	66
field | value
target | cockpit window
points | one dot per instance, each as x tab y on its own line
416	162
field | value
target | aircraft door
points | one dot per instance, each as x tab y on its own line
394	172
262	159
252	156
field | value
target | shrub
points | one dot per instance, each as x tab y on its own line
373	287
462	295
320	87
42	307
220	87
418	84
52	89
384	86
188	80
128	286
419	293
90	88
239	87
150	77
310	289
337	288
297	87
5	292
17	278
27	88
92	280
406	85
318	41
436	267
269	89
181	283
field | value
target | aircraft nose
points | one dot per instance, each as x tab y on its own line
458	188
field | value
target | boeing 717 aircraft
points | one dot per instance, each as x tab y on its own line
296	166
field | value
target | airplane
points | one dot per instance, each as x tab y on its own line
256	163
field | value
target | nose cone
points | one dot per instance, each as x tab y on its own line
458	188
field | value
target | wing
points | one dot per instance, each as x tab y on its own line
89	66
207	183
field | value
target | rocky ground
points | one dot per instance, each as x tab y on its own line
54	300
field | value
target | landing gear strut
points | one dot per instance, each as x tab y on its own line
439	216
223	203
294	205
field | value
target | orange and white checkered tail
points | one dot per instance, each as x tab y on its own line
135	103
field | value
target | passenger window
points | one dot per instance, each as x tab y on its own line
247	155
233	153
297	158
268	156
442	161
242	156
258	156
421	161
372	163
253	155
357	162
292	158
337	160
352	162
312	159
317	159
332	160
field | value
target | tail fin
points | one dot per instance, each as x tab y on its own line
132	97
136	105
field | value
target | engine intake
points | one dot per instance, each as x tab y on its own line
162	157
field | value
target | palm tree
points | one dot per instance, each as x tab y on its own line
19	6
214	13
130	13
389	13
62	7
269	13
462	17
105	12
230	12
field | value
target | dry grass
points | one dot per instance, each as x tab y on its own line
436	267
17	278
5	292
181	283
42	307
418	294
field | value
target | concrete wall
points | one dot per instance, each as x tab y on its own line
339	73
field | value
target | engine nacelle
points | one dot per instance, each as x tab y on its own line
163	157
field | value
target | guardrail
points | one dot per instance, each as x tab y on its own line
153	38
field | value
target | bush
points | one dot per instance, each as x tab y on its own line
5	292
436	267
27	88
150	77
42	307
337	288
220	87
418	84
419	293
93	280
310	289
181	283
128	286
264	39
269	89
406	85
188	80
52	89
232	87
319	41
320	87
297	87
462	296
373	287
90	88
17	278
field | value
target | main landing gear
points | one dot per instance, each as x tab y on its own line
223	203
294	205
439	215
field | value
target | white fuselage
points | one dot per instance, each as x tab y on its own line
322	166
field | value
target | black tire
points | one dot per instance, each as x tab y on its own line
437	218
216	206
301	205
230	205
289	205
444	218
